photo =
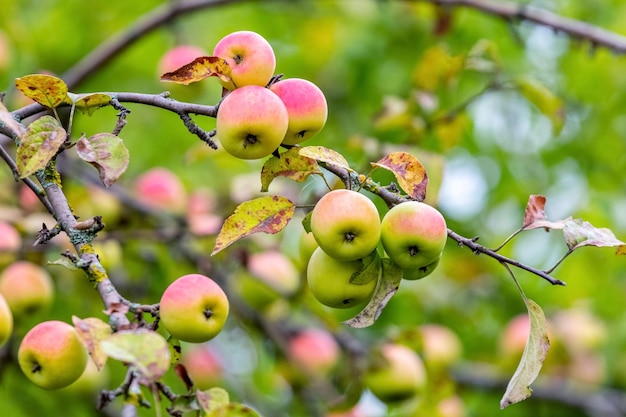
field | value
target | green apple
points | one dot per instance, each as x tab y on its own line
26	287
413	234
329	281
51	355
251	122
306	246
346	224
6	321
306	106
194	308
412	274
250	57
397	374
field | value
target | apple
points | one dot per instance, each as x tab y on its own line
346	224
90	381
203	366
28	200
329	281
306	246
27	288
194	308
413	234
51	355
412	274
161	189
452	406
251	122
11	240
201	216
6	321
250	57
397	374
306	106
441	347
314	350
179	56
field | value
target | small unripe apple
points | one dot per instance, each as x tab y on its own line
51	355
6	321
203	366
329	281
306	106
26	287
413	234
346	224
161	189
194	308
315	350
250	57
251	122
399	374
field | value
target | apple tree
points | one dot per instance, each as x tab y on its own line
351	208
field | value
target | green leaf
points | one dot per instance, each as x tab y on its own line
579	233
47	90
89	103
545	100
534	354
107	153
199	69
387	286
39	144
409	173
92	331
145	349
370	270
264	214
7	120
326	155
289	164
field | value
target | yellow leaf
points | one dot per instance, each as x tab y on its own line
199	69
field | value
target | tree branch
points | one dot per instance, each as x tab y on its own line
575	29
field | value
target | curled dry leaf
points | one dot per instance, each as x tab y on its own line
199	69
289	164
91	332
409	173
107	153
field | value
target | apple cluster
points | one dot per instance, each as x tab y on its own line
347	228
257	115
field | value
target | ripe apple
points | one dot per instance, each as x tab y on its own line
51	355
251	122
11	240
179	56
315	350
413	234
413	274
346	224
194	308
203	366
329	281
250	57
306	106
397	375
6	321
161	189
26	287
441	347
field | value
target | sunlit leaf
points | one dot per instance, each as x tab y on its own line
535	216
436	68
89	103
534	354
289	164
545	100
450	128
199	69
578	233
92	331
409	173
9	122
388	285
107	153
38	145
268	214
47	90
145	349
326	155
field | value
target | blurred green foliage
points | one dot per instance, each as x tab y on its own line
362	54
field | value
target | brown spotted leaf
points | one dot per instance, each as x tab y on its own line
288	164
107	153
9	122
579	233
535	352
91	332
268	214
47	90
387	286
89	103
409	173
144	349
199	69
326	155
39	144
535	216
